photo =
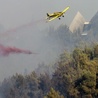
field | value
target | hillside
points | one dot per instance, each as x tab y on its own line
60	39
76	76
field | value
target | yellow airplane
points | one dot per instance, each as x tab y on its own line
55	15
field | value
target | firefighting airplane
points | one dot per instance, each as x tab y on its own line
55	15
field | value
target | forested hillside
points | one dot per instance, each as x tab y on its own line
76	76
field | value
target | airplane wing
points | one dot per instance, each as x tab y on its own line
65	10
53	18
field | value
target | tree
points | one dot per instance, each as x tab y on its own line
65	75
45	83
53	94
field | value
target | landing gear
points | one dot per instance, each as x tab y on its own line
59	18
63	16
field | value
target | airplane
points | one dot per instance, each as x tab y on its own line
55	15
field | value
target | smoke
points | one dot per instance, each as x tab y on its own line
5	51
13	30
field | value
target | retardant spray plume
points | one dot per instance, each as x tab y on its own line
5	51
33	23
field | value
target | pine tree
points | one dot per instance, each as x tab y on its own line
53	94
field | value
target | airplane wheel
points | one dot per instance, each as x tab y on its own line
62	16
59	18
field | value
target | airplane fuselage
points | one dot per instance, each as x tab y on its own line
59	14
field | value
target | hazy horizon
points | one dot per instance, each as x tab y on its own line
15	13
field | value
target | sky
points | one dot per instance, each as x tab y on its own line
14	13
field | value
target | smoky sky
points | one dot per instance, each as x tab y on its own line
17	13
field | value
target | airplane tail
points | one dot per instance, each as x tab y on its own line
48	15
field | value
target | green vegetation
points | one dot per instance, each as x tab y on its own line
75	76
53	94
